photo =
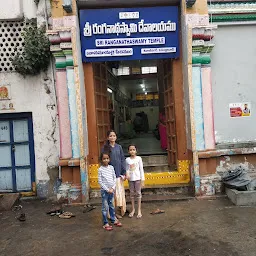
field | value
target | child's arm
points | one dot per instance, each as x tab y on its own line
127	167
142	175
102	185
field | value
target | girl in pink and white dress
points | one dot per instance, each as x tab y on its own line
135	175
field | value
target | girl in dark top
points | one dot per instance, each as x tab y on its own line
117	160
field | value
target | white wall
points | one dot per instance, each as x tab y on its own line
233	81
37	95
124	89
17	9
29	9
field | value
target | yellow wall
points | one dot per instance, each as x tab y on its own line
58	11
199	7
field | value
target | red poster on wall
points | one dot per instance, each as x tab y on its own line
240	109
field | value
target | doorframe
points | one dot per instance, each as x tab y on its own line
16	116
182	175
184	155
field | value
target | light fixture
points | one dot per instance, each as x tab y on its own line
142	85
143	89
146	93
109	90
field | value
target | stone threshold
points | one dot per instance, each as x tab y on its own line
226	152
150	199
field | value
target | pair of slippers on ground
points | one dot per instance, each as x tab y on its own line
109	227
58	211
157	211
131	214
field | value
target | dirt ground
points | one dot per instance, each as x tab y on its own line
189	228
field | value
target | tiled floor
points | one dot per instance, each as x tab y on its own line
146	144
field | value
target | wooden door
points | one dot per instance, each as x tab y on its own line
169	112
101	102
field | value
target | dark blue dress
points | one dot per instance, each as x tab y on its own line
117	160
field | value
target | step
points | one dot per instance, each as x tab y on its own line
158	168
150	198
155	160
7	201
175	190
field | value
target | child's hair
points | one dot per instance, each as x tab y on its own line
107	147
131	146
104	153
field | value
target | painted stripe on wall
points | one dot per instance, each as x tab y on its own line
208	108
198	107
63	112
73	113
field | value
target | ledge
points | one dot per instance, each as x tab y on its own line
120	3
226	152
233	17
69	162
227	1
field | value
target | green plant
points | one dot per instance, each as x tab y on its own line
35	56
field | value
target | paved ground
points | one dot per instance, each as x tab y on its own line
192	228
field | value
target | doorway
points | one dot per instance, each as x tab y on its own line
17	165
136	107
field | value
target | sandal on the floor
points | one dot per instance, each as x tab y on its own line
139	216
62	216
68	214
108	227
118	224
157	211
22	217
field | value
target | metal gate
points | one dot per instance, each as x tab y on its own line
17	160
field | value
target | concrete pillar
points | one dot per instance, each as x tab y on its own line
73	112
207	107
198	107
63	113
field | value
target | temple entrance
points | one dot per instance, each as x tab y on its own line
127	90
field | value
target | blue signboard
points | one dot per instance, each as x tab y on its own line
129	33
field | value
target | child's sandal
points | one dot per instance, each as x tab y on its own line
118	224
108	227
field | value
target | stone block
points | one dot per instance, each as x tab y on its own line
241	198
42	189
8	200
